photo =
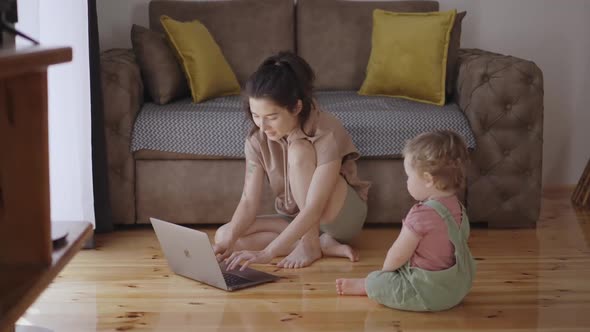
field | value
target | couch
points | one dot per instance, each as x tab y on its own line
500	97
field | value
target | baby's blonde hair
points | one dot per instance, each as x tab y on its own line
441	153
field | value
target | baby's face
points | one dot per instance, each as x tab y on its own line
418	186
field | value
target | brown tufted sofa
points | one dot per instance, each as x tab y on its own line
501	96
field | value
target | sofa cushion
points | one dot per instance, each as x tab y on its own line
206	69
240	27
160	70
409	55
334	36
379	126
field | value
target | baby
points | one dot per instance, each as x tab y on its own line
429	267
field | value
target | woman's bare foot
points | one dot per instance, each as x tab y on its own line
351	287
331	247
305	253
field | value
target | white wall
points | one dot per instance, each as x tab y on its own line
553	34
65	23
28	20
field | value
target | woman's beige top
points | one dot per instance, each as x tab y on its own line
331	142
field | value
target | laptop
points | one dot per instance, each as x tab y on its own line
190	254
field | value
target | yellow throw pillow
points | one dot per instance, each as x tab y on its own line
208	73
409	55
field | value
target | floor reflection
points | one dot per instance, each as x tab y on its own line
527	280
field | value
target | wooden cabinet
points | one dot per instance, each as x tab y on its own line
28	261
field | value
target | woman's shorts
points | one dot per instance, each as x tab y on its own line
349	222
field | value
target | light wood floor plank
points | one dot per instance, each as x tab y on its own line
527	280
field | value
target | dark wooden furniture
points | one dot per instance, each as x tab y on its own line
28	261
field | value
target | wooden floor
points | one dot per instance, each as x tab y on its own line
527	280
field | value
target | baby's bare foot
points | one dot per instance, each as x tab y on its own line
331	247
303	255
351	287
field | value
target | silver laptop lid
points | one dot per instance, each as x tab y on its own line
189	253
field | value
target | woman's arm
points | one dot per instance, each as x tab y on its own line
322	185
402	250
245	212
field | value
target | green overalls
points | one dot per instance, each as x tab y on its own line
415	289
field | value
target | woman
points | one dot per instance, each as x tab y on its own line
309	160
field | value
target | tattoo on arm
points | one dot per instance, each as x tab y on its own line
249	170
251	167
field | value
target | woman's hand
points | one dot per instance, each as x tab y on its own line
223	249
247	257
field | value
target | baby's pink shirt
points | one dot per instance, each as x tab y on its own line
435	250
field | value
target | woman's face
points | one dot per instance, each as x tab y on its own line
275	121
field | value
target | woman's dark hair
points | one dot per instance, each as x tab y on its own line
283	78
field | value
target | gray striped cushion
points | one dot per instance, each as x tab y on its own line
379	125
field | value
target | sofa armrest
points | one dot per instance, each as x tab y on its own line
122	90
502	97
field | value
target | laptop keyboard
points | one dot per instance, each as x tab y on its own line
234	280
